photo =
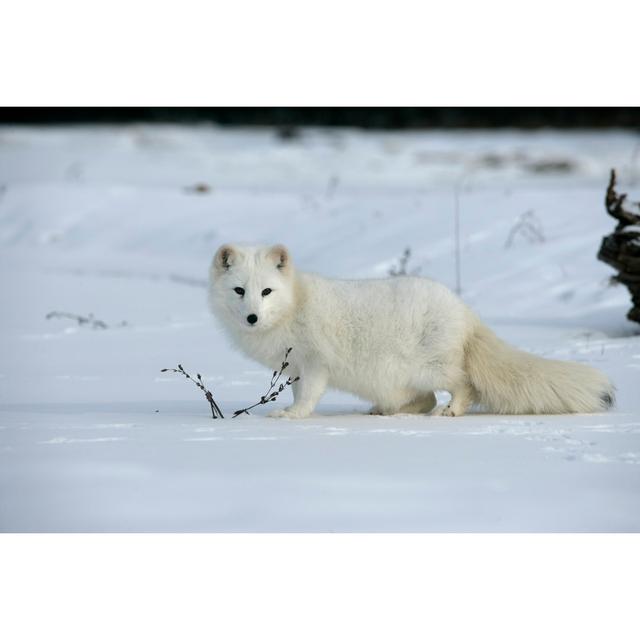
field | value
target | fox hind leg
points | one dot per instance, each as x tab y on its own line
424	403
462	397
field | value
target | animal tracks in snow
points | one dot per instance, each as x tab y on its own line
566	441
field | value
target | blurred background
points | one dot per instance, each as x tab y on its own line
365	117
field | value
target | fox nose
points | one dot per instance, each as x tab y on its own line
252	319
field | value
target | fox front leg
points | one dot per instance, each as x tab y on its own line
306	393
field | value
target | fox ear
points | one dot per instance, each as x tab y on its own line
224	258
280	256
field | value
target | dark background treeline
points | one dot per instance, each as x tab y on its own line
366	117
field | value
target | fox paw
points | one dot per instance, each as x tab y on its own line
380	411
289	412
450	412
445	411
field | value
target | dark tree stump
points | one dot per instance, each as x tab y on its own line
621	249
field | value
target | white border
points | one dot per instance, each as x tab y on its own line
330	53
319	586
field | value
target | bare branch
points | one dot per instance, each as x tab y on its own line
621	249
275	388
215	409
403	263
89	320
615	205
528	226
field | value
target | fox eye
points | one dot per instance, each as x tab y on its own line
266	292
239	291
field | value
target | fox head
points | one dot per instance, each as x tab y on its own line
251	287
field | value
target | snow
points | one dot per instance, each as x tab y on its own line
632	228
105	221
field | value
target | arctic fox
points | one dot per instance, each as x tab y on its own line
393	342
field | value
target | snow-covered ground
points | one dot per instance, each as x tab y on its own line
107	221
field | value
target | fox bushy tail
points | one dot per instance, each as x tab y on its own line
507	380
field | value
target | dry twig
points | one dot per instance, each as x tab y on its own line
403	263
528	226
81	320
215	409
272	393
275	388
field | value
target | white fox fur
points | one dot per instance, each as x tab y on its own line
393	341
